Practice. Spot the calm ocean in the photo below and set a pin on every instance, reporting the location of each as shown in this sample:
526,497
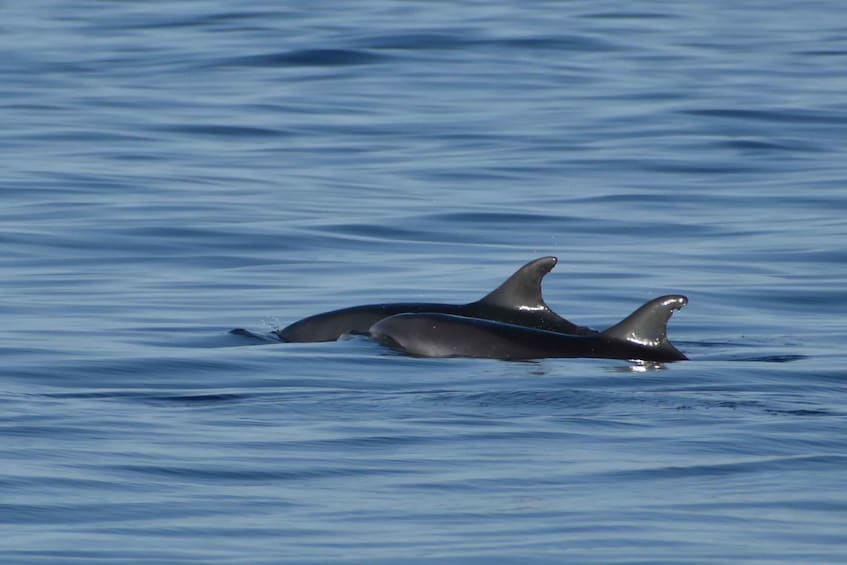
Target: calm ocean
174,170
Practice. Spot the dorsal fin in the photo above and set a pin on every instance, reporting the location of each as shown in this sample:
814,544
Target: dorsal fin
648,326
522,291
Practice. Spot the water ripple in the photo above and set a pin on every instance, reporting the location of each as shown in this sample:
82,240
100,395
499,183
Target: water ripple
309,58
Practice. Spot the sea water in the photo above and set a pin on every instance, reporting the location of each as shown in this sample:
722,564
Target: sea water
175,170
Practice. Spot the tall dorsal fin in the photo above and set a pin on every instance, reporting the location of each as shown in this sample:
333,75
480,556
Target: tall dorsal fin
648,326
522,291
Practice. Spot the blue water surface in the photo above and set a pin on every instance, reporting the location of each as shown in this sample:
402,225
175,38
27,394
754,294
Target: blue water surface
174,170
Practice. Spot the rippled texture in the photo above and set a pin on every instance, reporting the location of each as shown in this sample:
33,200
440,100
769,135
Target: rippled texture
173,170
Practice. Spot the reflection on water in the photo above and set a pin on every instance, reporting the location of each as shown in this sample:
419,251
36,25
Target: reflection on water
173,171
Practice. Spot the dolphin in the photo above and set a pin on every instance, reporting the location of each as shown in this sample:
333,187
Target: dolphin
640,336
517,301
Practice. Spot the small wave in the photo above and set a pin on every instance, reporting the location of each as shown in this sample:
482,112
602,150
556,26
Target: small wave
772,115
762,146
198,399
622,15
222,130
804,463
224,474
555,43
416,41
787,358
463,40
309,58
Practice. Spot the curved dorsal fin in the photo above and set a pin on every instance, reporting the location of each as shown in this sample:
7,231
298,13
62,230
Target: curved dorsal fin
522,291
648,326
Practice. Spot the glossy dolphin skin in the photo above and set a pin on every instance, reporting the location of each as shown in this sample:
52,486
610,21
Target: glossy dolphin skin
517,301
641,336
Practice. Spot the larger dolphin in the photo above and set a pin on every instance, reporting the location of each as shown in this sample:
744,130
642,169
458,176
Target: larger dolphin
640,336
517,301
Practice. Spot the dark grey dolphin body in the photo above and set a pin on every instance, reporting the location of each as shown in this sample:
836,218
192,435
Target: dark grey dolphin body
517,301
641,336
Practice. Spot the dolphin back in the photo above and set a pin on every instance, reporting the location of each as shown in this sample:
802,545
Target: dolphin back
357,320
517,300
641,336
648,326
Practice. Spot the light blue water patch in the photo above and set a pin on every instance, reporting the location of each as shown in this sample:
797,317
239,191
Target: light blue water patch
172,171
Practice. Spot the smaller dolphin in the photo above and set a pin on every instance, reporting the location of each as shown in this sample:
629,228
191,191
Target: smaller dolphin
641,336
517,301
